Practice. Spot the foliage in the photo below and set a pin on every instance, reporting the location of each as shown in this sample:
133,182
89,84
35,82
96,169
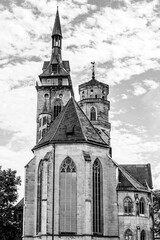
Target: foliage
9,182
156,210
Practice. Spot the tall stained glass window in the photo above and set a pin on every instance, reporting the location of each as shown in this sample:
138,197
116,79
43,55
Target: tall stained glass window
142,206
68,197
97,198
128,205
39,196
143,235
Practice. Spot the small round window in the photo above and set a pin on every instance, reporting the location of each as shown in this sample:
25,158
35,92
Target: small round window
46,95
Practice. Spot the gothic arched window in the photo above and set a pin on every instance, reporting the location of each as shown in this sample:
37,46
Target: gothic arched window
39,196
68,196
128,234
57,108
93,114
143,235
97,197
142,206
128,205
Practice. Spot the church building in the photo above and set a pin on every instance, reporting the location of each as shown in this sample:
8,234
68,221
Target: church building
73,188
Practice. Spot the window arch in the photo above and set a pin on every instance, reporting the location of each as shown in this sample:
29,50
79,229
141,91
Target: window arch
97,198
128,205
93,114
142,206
39,196
57,108
68,196
143,235
128,234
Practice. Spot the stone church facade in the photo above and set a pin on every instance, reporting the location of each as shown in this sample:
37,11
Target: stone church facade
73,188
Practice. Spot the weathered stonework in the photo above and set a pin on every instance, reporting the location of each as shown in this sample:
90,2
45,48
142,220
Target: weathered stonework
73,134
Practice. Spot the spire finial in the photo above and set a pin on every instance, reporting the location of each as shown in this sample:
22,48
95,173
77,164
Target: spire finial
93,72
57,3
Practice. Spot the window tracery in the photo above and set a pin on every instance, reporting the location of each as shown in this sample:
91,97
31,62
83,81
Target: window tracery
68,196
128,235
97,197
128,205
39,196
142,206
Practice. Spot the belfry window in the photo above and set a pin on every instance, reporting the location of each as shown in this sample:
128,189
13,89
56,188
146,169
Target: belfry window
97,198
128,205
128,235
93,114
57,108
68,197
143,235
142,206
54,68
39,197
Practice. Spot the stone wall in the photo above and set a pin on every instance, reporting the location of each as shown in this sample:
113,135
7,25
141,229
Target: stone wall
136,223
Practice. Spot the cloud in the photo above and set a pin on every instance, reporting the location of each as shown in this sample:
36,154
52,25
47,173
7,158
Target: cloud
138,89
151,84
124,96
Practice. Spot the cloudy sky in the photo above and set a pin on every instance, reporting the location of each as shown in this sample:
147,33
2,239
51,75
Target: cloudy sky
121,36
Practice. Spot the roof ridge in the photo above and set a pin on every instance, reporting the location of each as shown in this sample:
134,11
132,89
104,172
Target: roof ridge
91,124
135,180
75,103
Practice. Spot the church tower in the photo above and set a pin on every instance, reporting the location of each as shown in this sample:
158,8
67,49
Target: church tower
94,103
70,184
55,87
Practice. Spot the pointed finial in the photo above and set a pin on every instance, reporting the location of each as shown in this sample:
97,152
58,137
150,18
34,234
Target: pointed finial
57,25
93,73
57,3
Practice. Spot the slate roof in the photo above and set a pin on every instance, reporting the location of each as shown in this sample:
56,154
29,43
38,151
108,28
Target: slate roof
137,176
57,25
65,64
93,82
71,126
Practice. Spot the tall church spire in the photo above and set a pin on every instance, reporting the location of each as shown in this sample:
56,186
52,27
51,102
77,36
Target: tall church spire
55,87
57,33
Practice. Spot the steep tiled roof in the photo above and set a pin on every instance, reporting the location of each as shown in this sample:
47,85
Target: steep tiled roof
57,25
141,172
93,82
71,125
133,177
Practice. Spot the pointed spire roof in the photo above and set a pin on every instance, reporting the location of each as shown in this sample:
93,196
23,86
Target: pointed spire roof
71,126
57,25
45,110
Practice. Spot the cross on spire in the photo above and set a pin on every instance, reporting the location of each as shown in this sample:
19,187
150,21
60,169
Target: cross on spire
93,72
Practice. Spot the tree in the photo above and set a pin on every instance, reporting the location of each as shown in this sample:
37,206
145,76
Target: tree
9,182
156,211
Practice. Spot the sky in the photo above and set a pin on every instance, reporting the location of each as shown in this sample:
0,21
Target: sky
121,36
